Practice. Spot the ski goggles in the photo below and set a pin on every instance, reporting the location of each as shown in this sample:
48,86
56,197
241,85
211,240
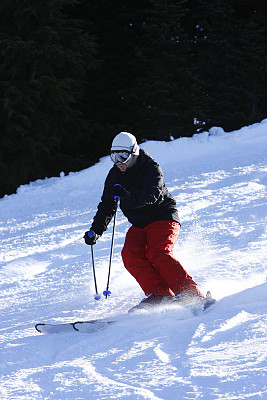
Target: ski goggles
121,156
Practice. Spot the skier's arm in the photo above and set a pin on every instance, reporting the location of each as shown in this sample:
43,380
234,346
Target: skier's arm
105,210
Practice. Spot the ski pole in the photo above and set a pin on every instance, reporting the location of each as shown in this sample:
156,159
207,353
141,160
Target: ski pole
107,292
97,296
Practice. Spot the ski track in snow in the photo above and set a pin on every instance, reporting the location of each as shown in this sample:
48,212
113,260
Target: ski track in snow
219,181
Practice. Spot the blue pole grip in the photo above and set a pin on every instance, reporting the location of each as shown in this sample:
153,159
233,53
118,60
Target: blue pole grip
117,198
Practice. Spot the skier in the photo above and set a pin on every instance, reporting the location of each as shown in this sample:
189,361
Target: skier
147,204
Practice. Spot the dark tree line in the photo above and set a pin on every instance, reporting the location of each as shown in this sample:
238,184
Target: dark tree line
74,73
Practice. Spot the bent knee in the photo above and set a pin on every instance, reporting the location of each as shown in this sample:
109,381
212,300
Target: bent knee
155,254
127,253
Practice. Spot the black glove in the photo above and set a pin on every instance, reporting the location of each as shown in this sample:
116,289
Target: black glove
90,237
120,191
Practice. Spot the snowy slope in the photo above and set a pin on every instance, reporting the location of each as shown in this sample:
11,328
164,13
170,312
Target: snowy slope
219,181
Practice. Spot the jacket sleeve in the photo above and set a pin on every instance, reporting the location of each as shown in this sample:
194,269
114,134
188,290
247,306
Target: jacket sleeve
151,189
105,210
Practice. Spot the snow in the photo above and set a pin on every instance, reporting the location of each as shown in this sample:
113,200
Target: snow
219,181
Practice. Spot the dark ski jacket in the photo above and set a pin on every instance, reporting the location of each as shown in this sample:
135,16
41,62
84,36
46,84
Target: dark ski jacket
148,199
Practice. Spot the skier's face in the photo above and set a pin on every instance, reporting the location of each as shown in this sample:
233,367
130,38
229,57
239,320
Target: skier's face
124,166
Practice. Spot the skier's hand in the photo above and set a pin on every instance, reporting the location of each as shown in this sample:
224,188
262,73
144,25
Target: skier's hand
90,237
120,191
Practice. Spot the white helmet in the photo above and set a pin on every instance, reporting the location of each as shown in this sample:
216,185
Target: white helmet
125,141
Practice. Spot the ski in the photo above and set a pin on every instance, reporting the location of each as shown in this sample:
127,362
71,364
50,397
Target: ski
95,325
78,326
194,303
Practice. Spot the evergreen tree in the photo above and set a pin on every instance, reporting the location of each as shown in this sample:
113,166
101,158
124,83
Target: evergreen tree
74,73
45,59
146,82
230,44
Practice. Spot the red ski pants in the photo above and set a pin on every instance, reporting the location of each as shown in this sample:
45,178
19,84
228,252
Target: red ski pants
148,256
